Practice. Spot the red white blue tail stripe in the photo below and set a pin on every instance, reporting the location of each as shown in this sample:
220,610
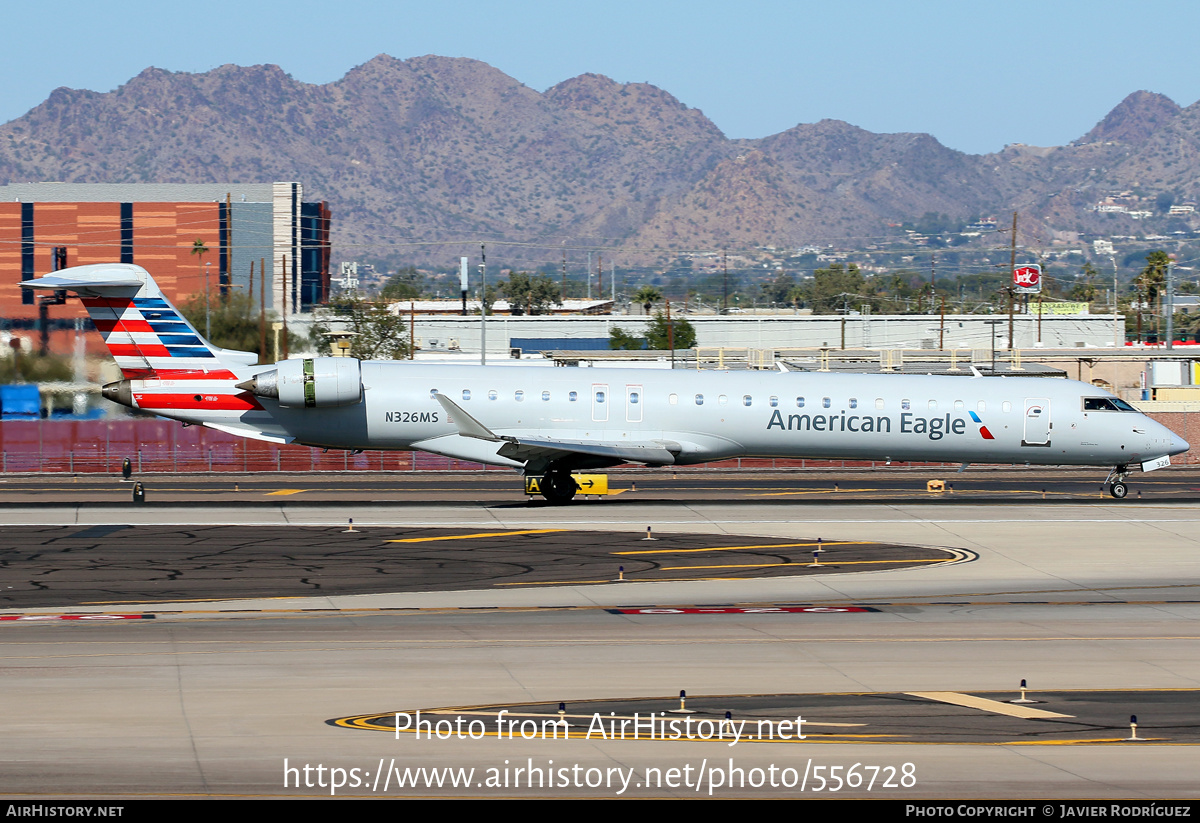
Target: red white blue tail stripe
149,339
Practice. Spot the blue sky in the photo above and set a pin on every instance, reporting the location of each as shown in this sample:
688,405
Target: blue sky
975,75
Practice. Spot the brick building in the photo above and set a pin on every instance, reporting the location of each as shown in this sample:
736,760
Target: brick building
156,227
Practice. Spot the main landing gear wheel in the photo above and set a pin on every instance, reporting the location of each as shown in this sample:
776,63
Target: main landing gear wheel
1118,490
559,488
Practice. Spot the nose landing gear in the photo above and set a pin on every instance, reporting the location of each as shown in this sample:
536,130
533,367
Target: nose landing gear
1116,482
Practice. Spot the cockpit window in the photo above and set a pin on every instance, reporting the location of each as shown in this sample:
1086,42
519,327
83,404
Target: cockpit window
1106,404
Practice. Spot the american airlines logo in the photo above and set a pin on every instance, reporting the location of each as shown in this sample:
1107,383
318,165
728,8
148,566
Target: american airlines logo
983,430
935,428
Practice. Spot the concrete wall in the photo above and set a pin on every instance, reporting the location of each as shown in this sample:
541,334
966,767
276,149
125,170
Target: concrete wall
789,331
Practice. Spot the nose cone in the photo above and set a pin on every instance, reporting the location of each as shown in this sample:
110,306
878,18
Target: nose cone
1178,445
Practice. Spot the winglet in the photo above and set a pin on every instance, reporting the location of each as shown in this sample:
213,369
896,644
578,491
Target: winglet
467,425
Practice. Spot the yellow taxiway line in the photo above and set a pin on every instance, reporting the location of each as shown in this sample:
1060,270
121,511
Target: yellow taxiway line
478,534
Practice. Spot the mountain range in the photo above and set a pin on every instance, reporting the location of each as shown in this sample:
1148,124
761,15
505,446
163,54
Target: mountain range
431,149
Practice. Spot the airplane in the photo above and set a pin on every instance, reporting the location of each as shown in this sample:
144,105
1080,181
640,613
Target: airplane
549,423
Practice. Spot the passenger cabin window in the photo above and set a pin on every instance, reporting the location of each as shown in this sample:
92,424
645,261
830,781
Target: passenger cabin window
854,402
879,403
799,402
723,399
1006,407
826,402
573,396
633,397
673,399
492,394
599,397
906,405
959,405
774,401
519,396
981,405
699,400
433,393
747,400
545,395
466,394
933,405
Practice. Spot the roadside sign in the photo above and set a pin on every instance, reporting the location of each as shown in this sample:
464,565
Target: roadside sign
1027,279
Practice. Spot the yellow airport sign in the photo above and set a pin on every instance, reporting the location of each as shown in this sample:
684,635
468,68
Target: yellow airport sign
588,484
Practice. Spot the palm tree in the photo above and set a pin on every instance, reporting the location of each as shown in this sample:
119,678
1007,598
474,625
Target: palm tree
647,296
1153,281
199,249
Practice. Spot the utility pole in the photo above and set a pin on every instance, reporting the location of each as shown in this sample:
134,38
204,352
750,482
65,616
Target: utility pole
286,353
845,311
725,292
207,308
1170,301
600,276
483,307
1118,335
262,309
463,268
670,333
932,279
942,328
1012,266
1012,299
227,277
1139,314
564,277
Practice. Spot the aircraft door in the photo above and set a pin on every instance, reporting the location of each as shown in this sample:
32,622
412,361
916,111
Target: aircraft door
633,403
600,402
1037,422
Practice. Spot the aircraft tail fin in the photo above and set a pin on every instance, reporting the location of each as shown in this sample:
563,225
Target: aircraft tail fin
147,336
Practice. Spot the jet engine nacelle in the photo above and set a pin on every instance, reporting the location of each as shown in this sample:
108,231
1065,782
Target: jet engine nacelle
315,382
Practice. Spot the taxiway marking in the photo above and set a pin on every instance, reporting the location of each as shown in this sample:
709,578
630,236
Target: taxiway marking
983,704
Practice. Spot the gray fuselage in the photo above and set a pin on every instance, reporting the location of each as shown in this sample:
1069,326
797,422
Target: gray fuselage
708,415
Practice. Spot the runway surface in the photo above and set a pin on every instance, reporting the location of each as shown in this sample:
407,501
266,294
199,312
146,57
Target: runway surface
630,487
1094,604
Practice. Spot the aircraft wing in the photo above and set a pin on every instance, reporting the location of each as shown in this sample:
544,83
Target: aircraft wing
540,451
252,434
526,449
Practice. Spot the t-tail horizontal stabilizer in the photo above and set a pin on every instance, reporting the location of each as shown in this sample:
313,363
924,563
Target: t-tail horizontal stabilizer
90,281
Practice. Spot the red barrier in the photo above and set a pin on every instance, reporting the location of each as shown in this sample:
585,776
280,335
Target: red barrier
166,446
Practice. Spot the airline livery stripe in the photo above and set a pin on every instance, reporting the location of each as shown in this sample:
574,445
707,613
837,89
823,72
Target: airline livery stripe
138,350
222,402
188,351
108,302
194,374
133,324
